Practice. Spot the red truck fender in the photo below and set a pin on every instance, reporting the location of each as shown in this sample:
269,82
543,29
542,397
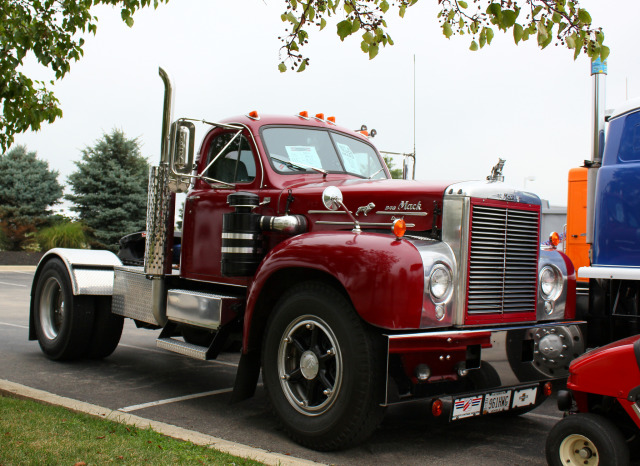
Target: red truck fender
376,271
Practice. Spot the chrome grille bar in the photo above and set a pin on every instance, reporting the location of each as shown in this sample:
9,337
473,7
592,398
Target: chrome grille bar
503,263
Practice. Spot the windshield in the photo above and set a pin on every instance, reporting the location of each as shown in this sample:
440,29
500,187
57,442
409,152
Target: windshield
295,150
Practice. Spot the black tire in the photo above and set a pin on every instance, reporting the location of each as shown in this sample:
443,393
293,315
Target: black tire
586,439
107,329
63,322
332,361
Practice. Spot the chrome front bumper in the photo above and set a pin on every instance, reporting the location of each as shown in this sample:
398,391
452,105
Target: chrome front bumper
489,358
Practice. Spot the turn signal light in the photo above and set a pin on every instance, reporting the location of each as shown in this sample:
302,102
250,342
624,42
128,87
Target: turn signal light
554,239
548,389
436,408
399,228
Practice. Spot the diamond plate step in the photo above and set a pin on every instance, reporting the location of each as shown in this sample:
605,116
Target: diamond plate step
182,347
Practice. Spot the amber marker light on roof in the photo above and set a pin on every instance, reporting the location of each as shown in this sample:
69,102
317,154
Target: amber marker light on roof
399,228
254,115
554,239
304,114
332,119
320,116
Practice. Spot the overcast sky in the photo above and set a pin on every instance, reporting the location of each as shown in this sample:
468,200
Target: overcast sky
529,106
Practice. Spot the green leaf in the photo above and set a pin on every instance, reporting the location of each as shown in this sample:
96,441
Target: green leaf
489,33
368,37
384,6
494,9
556,17
508,19
446,30
323,23
364,46
474,46
518,32
294,4
462,4
282,67
355,27
584,16
604,52
536,11
302,66
402,10
482,38
373,51
344,29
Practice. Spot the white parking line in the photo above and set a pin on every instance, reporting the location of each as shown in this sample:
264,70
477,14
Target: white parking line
13,284
13,325
128,409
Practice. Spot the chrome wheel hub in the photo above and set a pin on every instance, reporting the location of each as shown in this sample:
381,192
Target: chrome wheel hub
52,308
310,365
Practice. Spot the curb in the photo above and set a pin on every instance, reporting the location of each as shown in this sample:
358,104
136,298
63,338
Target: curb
15,390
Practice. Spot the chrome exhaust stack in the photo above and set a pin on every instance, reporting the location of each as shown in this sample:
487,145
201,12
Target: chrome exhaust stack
599,73
160,202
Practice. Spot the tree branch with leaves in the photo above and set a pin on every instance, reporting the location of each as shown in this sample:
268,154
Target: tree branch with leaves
52,31
559,22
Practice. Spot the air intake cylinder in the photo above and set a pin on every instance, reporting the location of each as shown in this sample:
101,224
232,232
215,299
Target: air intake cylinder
241,238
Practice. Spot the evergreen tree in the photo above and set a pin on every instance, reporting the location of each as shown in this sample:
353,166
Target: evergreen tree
27,189
110,189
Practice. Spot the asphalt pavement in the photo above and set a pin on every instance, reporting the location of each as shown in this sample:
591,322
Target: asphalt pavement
141,380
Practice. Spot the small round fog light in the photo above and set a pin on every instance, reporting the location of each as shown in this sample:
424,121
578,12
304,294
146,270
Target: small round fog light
548,307
423,372
440,311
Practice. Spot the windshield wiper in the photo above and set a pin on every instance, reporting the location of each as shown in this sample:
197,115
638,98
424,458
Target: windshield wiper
300,165
375,173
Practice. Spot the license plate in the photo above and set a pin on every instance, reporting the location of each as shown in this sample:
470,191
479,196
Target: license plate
496,402
466,407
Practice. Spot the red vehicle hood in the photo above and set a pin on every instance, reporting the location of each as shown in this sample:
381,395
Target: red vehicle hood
374,203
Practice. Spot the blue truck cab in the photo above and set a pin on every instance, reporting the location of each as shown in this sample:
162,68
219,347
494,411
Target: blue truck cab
614,274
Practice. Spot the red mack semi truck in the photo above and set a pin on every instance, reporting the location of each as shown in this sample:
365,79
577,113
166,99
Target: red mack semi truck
349,290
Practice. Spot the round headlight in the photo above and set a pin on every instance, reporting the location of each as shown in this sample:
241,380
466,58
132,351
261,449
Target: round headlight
440,282
550,283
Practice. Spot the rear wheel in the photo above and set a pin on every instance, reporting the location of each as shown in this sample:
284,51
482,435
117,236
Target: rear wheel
63,322
322,368
586,439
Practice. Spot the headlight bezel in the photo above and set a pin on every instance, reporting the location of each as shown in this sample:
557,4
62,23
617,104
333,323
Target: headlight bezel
442,270
557,279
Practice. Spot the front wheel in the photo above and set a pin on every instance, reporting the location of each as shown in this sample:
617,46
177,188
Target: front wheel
586,439
322,368
63,322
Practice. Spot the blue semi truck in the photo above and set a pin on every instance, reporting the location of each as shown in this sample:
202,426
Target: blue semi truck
613,226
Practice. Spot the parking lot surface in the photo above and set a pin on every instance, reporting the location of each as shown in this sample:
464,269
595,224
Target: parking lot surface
149,382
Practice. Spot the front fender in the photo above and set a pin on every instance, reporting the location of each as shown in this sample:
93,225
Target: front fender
382,276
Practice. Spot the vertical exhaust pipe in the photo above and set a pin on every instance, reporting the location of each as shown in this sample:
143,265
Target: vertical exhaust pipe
599,74
160,201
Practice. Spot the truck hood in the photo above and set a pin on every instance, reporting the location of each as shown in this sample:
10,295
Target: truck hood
374,203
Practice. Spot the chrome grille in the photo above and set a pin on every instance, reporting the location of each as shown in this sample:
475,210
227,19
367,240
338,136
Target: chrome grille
503,264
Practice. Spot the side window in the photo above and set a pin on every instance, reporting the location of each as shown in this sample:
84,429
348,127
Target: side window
236,164
630,142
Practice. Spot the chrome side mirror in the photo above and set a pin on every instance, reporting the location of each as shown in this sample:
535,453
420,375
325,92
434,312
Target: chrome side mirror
332,198
181,154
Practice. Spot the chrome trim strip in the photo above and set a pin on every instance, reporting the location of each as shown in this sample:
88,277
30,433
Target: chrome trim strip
408,214
364,224
250,236
236,250
326,212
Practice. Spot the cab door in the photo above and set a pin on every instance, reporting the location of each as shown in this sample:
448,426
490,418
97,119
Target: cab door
228,164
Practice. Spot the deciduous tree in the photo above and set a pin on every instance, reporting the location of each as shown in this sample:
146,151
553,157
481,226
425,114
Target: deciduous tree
110,189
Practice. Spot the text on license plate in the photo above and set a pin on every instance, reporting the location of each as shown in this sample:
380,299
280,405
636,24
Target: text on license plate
493,402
